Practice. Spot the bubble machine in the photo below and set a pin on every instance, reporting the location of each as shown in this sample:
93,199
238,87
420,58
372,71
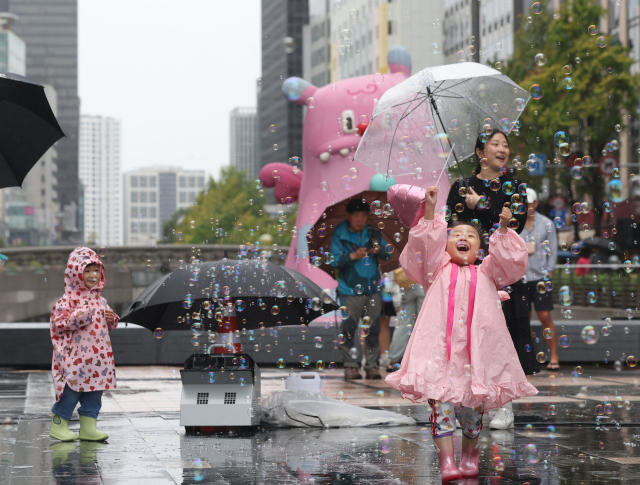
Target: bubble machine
219,390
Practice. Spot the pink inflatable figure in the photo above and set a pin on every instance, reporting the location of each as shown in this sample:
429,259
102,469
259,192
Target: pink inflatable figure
335,117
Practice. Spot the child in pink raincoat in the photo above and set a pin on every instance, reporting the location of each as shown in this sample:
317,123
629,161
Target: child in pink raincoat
460,356
82,363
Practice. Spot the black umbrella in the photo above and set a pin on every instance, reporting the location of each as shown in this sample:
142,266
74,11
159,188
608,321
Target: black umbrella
600,243
28,128
262,292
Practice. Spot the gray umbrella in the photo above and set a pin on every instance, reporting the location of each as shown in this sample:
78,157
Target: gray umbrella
415,123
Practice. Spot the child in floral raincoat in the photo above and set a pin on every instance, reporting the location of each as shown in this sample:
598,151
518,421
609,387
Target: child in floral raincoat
82,364
460,356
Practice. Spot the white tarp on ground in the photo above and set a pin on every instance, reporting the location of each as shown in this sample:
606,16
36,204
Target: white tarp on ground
303,409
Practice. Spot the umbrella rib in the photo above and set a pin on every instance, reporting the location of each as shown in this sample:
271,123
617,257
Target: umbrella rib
453,86
394,134
404,102
416,107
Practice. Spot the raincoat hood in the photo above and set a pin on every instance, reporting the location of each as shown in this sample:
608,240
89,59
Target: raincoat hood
79,259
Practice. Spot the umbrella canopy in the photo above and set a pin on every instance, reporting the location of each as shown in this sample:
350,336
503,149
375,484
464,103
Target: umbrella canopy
601,243
260,292
415,123
382,219
28,128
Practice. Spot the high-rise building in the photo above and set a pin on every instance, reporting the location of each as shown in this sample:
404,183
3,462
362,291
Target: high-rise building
151,196
282,22
316,44
499,21
362,32
99,167
461,29
243,138
50,31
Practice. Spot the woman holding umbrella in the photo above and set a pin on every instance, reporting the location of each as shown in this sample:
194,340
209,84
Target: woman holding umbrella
483,197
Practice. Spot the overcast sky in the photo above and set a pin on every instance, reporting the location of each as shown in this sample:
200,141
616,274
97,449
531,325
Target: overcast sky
171,71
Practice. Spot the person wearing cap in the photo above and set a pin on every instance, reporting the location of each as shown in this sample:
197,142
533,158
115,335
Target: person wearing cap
542,245
356,247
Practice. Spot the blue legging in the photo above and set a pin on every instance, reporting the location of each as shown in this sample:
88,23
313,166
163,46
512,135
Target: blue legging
90,403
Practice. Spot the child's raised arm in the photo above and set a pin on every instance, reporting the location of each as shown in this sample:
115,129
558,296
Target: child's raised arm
425,249
508,259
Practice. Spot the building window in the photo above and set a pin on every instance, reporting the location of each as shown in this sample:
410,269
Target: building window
134,181
143,227
134,197
134,211
152,212
152,197
390,28
143,212
152,227
192,182
143,181
134,226
152,181
183,197
192,197
200,182
183,182
143,196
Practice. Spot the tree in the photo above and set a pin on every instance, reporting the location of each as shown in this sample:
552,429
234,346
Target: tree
231,211
587,87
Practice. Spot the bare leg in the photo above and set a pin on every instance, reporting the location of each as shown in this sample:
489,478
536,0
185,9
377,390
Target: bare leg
552,343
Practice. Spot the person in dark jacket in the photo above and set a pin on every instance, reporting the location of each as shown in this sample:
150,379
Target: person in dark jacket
356,247
485,193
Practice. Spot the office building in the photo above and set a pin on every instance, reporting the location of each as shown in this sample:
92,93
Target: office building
50,31
282,22
362,32
151,196
243,137
461,29
316,44
100,174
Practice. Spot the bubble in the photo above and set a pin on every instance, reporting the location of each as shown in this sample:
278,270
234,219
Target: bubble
592,297
353,173
602,42
589,335
552,409
536,8
592,30
158,333
519,104
239,305
536,91
541,357
494,185
195,342
531,453
632,361
568,83
547,333
358,289
614,191
435,48
275,309
509,188
611,246
564,341
343,313
347,182
281,363
102,252
541,59
311,102
353,13
397,237
378,78
383,444
480,254
376,207
320,365
341,396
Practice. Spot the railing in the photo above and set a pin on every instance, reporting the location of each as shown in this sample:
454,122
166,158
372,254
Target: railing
613,286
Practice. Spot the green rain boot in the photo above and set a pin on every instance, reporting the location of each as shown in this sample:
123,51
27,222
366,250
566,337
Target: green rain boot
88,430
60,429
60,453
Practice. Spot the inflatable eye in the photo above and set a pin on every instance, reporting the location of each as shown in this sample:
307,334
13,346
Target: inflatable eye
348,121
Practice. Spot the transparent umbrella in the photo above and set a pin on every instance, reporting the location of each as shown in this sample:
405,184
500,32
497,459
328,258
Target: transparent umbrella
416,123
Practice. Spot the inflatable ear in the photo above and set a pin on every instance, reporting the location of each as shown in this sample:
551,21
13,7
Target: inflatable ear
298,90
399,60
285,180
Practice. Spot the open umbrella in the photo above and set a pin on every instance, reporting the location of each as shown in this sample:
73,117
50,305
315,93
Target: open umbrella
28,128
384,221
261,292
416,123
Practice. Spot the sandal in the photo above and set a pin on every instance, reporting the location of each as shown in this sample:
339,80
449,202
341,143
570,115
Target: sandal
553,366
390,368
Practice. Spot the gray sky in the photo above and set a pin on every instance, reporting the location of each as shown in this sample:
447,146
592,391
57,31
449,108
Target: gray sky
171,71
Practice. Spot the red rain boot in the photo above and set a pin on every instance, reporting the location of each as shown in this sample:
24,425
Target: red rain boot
469,458
448,469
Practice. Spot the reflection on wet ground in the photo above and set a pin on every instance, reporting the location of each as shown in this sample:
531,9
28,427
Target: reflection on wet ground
570,443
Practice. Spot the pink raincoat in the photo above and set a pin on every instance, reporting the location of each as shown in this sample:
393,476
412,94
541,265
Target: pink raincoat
461,305
82,354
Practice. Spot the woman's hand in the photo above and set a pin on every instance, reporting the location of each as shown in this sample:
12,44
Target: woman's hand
505,217
431,196
472,199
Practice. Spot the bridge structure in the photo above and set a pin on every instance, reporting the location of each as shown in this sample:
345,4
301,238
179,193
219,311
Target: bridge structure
33,277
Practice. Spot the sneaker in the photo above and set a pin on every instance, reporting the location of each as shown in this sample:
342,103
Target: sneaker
373,374
502,420
351,373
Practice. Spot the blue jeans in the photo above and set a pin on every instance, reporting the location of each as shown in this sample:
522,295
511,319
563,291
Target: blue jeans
90,403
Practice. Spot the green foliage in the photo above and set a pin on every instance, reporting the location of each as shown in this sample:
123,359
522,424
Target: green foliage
234,205
604,95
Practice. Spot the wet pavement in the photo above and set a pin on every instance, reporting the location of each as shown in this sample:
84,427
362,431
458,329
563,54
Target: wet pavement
579,429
